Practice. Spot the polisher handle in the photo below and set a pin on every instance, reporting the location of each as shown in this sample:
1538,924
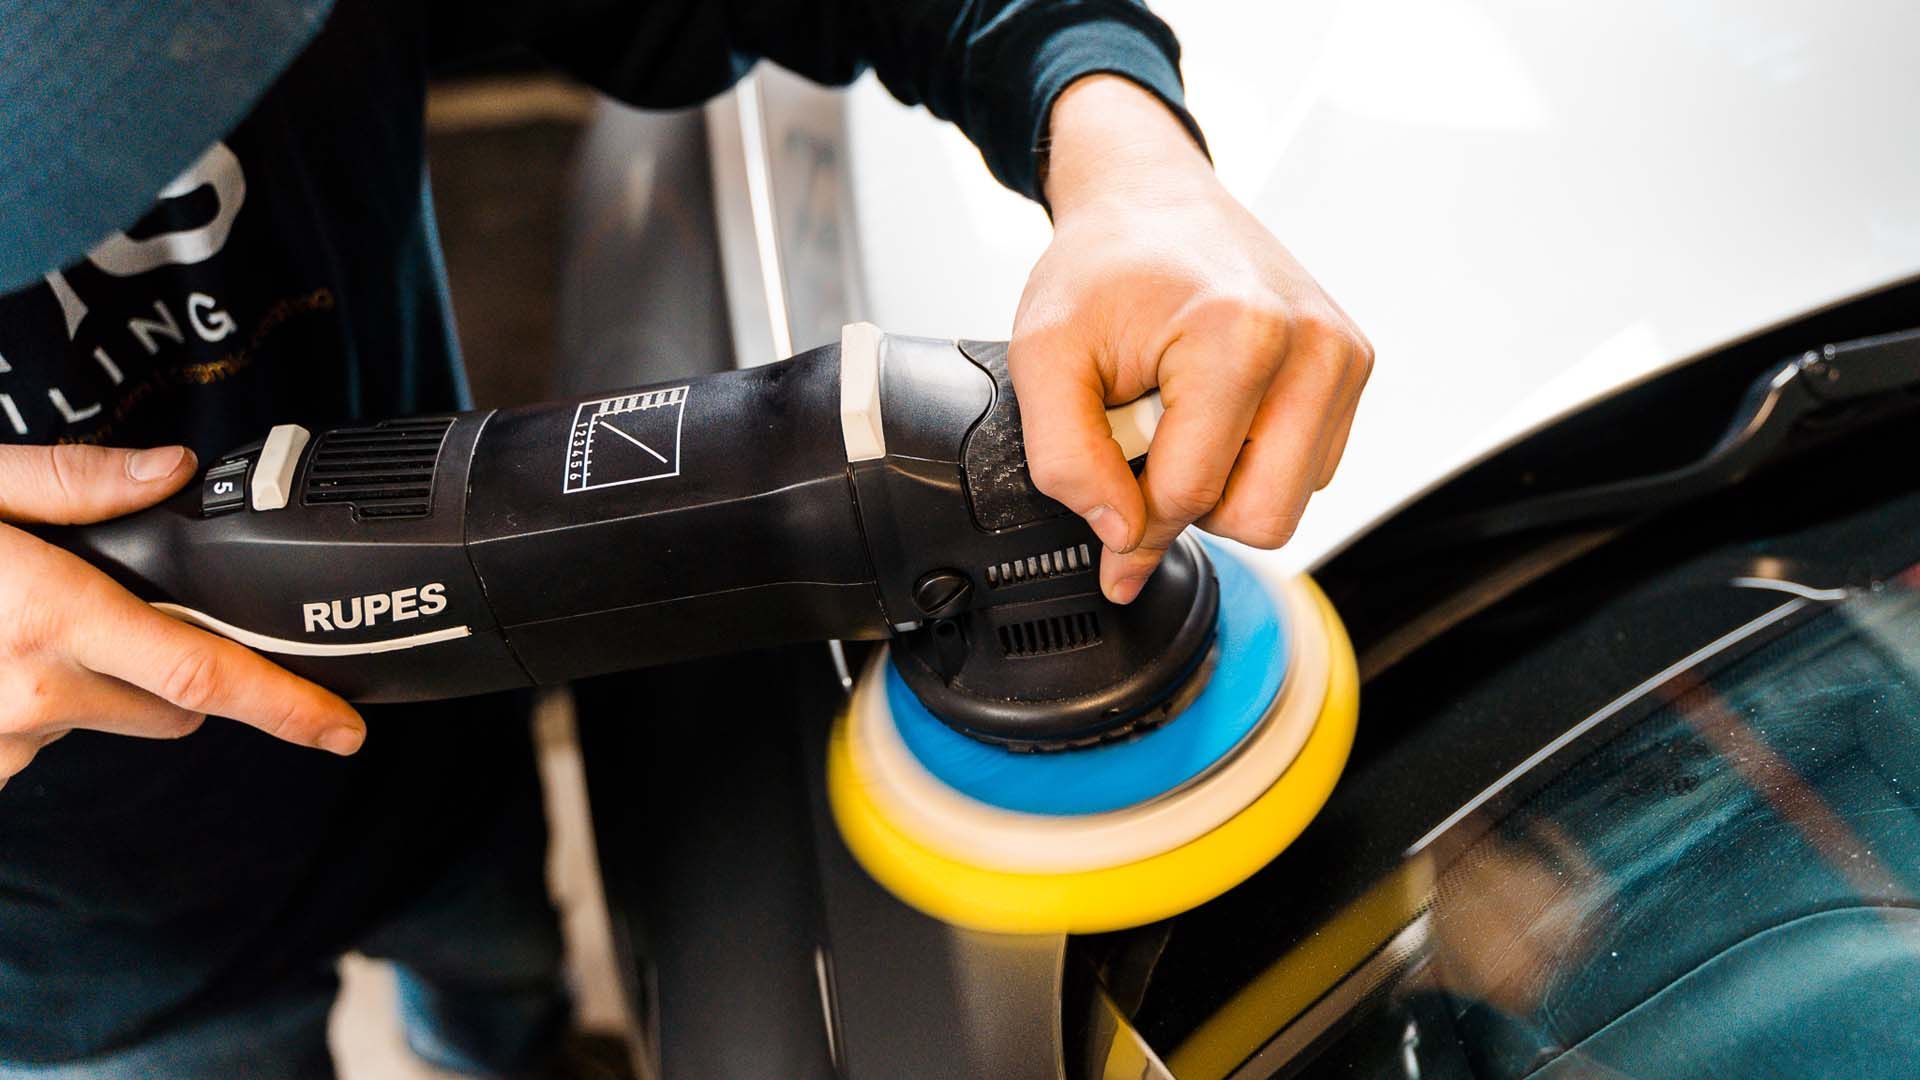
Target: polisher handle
439,556
445,555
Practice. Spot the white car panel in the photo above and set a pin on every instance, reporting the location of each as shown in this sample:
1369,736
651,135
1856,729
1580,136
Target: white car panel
1524,203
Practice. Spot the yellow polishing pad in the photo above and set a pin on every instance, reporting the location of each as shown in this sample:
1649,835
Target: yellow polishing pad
1115,897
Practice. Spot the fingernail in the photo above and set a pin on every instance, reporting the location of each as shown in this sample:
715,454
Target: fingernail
158,463
1127,588
1109,526
342,740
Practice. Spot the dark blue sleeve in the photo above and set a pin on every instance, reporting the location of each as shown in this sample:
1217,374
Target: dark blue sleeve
993,67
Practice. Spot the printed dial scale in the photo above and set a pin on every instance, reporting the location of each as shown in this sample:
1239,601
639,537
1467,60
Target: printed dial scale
626,439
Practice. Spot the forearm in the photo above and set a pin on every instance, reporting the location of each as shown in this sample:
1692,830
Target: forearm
993,67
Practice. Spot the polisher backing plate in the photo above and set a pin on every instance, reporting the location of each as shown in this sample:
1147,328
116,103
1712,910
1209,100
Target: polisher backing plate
1115,897
1251,646
956,826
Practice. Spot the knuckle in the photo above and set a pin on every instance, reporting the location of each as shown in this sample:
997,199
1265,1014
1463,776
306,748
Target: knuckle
21,639
1058,472
41,706
15,755
183,725
1260,527
14,468
1049,472
1267,315
1021,346
1269,532
32,704
284,722
1317,324
1260,322
1322,330
1245,376
1045,322
1363,356
1193,499
64,471
1039,329
193,682
35,627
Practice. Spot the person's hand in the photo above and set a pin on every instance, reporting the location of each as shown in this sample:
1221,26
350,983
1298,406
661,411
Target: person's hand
78,651
1156,277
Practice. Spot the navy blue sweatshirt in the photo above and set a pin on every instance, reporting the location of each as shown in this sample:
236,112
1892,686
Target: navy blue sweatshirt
293,275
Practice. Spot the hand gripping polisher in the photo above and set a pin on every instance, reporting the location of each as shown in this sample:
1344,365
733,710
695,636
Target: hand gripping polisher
1024,756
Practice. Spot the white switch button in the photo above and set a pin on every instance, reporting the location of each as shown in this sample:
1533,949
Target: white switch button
860,392
1134,423
273,471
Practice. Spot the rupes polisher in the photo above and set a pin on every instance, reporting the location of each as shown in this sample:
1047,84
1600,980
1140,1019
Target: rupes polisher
1025,756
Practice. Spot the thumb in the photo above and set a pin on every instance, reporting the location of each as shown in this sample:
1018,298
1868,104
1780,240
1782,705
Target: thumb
73,484
1071,452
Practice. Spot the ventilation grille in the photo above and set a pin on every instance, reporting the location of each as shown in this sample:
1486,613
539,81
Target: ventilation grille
1052,564
383,471
1053,634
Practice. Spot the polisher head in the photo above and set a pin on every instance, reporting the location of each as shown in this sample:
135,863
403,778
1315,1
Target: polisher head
1067,671
1108,832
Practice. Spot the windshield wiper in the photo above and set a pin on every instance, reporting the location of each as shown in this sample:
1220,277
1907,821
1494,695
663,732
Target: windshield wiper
1774,407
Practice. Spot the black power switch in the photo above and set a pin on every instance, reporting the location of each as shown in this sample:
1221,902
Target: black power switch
224,488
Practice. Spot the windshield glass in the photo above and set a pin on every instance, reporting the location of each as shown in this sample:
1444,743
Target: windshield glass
1717,876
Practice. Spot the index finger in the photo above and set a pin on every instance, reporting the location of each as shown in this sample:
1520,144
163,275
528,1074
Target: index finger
206,673
1071,453
1208,414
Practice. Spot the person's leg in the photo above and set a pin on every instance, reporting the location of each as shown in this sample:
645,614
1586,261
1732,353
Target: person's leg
478,957
281,1036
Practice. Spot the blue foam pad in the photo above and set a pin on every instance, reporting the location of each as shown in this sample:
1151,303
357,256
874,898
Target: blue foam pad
1250,665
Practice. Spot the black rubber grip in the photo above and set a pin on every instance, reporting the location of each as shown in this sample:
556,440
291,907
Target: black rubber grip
1000,490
